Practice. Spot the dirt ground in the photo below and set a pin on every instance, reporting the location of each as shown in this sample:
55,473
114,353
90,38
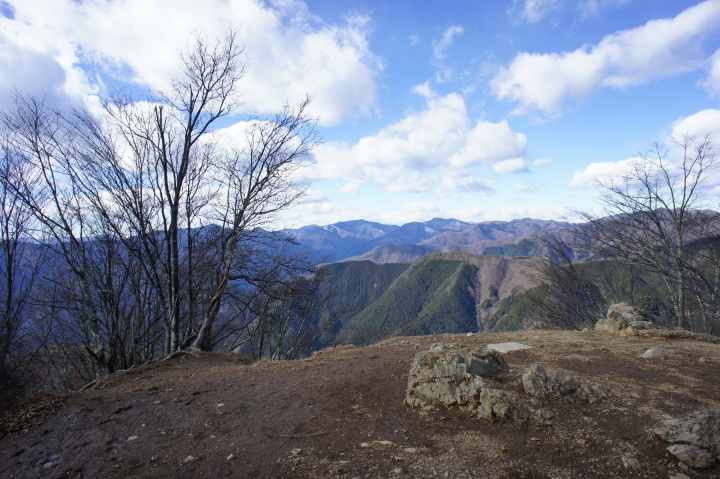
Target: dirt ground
341,414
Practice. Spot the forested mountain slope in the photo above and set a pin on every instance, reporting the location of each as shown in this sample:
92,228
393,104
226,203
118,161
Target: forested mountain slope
439,293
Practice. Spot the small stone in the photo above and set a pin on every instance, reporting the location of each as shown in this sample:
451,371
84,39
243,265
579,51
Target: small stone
469,335
220,405
544,416
53,461
190,459
385,442
230,457
654,353
296,451
132,438
364,444
631,463
410,450
397,470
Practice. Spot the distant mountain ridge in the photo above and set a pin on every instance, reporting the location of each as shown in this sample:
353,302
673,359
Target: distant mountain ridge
366,240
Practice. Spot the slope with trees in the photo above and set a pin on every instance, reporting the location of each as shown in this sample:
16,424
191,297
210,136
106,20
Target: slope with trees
152,221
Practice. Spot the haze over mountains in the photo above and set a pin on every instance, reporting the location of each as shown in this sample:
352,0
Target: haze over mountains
366,240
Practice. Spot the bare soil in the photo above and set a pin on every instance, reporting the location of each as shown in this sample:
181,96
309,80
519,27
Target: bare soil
341,414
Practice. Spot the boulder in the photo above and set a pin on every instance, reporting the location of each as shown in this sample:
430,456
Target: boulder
450,374
626,320
701,430
563,382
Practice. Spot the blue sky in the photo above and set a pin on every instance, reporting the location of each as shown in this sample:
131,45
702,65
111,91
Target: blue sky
479,110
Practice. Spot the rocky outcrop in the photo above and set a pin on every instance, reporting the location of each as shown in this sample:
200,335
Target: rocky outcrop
695,439
626,320
477,380
450,374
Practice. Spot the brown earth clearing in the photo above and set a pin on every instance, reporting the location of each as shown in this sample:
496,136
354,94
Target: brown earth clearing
341,414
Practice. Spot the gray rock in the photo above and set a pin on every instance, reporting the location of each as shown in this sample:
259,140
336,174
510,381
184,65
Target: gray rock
545,416
534,381
594,392
622,316
480,367
631,463
654,353
702,429
563,382
693,456
537,383
450,374
496,404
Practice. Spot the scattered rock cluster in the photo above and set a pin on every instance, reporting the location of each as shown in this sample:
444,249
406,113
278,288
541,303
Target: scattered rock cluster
454,375
626,320
695,439
538,383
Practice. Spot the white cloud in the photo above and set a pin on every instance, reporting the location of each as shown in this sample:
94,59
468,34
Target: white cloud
712,84
414,211
314,196
489,143
602,172
513,165
592,8
511,212
350,188
542,162
533,11
447,183
660,48
419,151
439,46
704,122
414,40
290,52
525,188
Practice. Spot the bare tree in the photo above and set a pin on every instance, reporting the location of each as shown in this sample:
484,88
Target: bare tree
256,184
155,216
21,261
649,214
285,321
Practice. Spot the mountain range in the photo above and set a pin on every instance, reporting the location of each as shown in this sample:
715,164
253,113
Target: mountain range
366,240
